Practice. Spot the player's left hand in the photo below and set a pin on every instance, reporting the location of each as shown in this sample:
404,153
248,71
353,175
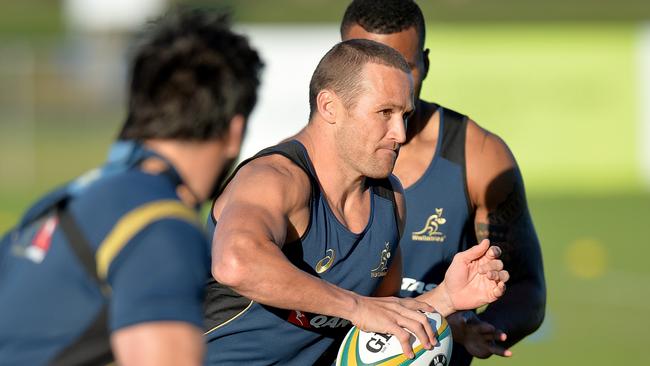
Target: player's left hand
475,277
479,338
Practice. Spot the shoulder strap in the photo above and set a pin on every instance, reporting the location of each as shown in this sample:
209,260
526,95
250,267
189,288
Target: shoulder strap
80,246
453,136
453,143
292,150
384,188
93,346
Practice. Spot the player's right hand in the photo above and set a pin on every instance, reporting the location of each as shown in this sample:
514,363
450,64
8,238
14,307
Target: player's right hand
396,316
480,338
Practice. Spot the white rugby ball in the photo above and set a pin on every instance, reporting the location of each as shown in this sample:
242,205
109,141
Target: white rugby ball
368,348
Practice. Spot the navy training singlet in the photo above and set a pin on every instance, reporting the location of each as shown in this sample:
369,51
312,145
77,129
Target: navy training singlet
440,219
242,332
149,249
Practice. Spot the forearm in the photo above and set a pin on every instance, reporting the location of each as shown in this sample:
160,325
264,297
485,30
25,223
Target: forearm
270,279
519,312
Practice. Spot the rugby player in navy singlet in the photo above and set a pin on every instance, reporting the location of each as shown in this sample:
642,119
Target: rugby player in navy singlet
462,184
307,231
118,257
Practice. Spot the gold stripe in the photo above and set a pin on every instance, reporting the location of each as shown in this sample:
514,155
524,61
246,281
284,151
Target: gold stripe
229,320
133,222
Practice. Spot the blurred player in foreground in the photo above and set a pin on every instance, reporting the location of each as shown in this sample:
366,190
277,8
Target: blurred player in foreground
119,252
461,184
308,230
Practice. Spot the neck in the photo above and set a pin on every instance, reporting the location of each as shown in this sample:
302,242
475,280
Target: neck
421,120
337,179
196,162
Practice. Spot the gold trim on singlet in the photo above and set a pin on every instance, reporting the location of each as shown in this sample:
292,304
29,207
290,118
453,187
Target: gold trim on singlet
231,319
133,222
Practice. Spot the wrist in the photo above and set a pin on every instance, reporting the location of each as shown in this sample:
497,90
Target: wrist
350,304
445,305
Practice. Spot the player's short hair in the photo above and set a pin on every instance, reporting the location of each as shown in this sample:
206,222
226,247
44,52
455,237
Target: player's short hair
190,76
340,69
384,17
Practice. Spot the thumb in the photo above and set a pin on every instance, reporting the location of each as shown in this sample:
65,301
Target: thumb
477,251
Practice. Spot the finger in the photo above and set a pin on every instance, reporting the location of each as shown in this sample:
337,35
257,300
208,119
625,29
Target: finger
494,252
485,328
495,349
500,335
475,252
418,329
403,337
504,276
499,289
491,265
492,275
426,326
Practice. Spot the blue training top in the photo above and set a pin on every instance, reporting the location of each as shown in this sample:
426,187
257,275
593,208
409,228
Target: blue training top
439,216
243,332
439,223
149,252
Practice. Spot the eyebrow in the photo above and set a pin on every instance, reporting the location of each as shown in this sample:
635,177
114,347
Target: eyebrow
408,109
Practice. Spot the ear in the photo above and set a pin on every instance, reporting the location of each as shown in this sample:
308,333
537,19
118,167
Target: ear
235,135
327,102
425,56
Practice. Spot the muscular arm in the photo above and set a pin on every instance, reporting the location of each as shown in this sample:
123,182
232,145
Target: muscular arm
266,206
156,303
159,343
497,191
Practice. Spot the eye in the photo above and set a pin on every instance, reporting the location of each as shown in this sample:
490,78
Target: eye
406,116
386,113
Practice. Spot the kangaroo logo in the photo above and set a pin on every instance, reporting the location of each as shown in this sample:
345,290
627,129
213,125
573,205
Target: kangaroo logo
430,231
381,269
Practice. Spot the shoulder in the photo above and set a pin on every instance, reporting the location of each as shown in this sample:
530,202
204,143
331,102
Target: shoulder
485,145
272,179
125,191
491,166
126,204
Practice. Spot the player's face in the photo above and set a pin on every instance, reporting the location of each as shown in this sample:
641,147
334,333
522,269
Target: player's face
374,126
405,42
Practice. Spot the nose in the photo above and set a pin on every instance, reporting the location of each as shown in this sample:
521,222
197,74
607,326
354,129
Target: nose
397,130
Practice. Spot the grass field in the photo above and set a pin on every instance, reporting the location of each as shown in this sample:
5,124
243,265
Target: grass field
597,297
562,96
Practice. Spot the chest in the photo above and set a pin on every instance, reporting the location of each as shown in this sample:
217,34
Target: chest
357,262
437,207
413,161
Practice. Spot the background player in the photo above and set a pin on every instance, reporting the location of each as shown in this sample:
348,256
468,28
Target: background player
312,226
461,184
121,246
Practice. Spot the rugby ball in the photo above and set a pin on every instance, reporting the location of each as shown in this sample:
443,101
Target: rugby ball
368,348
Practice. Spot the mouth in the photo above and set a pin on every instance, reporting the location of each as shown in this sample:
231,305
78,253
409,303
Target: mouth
391,146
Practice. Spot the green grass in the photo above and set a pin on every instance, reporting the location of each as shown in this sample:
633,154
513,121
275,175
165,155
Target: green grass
564,97
597,321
